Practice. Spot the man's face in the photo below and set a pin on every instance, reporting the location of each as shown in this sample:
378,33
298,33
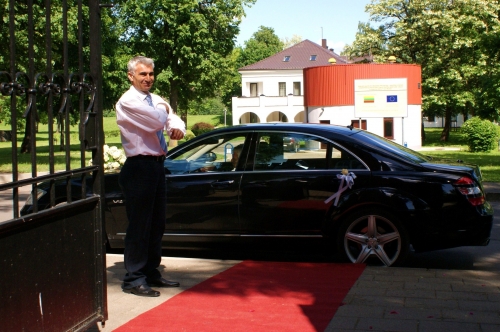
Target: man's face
142,78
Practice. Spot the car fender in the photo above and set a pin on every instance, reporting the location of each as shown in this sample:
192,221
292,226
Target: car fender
403,204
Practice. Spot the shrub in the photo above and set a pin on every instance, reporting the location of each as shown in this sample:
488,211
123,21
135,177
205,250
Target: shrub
480,135
189,135
201,128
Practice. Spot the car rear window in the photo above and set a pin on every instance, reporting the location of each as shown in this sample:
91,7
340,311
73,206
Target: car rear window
384,144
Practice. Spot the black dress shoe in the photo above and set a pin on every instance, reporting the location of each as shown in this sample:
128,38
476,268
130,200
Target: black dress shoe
142,290
162,282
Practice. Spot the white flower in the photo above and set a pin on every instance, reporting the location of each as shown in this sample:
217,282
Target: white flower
113,157
116,154
115,165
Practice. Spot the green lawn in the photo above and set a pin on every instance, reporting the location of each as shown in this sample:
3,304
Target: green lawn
489,162
111,137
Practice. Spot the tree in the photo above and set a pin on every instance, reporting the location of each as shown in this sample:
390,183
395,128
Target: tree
263,44
289,42
456,43
189,41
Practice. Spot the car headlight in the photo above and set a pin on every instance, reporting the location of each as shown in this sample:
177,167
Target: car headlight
39,193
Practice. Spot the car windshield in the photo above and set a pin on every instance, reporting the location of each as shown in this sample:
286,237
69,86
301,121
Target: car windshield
392,147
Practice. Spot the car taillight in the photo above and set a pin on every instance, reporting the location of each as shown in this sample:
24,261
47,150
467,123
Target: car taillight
467,187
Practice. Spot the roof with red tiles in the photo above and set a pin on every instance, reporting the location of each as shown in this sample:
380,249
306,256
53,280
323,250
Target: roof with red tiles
299,56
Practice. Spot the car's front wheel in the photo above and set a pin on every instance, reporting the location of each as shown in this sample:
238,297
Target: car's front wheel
373,237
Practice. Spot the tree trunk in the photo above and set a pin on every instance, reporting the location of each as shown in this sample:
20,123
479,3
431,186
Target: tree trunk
445,134
174,100
422,133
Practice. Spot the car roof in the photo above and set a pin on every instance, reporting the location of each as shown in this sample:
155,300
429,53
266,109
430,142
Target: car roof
285,126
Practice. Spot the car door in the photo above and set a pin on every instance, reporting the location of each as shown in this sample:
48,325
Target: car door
203,187
290,191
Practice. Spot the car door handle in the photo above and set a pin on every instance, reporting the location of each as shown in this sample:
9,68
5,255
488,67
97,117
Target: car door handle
222,184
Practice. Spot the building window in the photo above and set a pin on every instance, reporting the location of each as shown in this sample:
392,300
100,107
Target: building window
286,58
355,124
313,58
253,89
296,88
282,87
389,128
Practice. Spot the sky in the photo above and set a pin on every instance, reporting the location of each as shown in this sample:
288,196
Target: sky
333,20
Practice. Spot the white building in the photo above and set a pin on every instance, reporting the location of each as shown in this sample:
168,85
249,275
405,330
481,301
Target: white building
273,89
310,83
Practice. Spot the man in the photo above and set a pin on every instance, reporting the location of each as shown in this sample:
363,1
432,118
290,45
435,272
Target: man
142,117
236,155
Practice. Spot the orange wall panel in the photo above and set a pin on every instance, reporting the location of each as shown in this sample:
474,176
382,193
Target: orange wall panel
334,85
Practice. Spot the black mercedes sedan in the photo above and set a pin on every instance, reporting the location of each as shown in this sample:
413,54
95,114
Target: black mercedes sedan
365,198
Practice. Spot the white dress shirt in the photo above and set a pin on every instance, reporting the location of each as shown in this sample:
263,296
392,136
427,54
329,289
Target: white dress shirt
139,122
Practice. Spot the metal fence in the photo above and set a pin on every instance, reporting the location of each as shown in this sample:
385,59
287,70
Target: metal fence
52,260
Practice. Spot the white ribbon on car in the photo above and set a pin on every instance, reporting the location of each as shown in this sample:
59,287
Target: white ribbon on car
346,182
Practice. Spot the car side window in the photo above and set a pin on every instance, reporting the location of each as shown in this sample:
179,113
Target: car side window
341,159
219,153
290,151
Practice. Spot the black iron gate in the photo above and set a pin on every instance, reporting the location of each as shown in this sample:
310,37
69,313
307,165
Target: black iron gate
52,260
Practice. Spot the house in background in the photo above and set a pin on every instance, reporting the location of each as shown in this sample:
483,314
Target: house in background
273,88
438,122
310,83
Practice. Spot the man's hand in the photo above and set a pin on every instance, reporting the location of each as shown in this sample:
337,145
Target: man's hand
176,134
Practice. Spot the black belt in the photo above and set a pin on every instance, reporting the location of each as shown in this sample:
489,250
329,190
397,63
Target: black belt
152,158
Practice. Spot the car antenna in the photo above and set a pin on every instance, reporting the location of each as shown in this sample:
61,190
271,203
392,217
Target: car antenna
350,126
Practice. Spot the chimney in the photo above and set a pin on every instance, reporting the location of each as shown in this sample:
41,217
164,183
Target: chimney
331,50
323,43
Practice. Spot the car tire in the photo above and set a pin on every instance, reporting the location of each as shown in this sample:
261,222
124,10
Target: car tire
373,237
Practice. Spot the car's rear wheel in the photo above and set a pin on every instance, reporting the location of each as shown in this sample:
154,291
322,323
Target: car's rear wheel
373,237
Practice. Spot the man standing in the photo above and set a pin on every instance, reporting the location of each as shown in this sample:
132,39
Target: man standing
142,117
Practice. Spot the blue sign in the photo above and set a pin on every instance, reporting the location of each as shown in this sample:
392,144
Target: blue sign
392,99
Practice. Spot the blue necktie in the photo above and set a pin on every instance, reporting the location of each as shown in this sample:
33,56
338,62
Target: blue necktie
159,133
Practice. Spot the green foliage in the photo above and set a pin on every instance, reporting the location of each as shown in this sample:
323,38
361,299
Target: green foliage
189,41
189,135
480,135
201,128
263,44
209,106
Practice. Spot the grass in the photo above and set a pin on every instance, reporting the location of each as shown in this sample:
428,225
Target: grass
111,137
489,162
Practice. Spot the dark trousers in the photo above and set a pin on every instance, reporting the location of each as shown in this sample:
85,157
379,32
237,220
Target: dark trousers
142,181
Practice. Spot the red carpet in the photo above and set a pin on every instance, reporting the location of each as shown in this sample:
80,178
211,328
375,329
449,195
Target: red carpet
256,296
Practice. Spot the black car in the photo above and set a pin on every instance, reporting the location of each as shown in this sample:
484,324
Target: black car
364,197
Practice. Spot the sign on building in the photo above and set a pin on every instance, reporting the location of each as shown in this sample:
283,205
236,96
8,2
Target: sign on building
381,98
